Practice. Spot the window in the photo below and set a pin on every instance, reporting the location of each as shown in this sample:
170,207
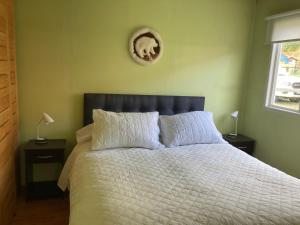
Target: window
284,79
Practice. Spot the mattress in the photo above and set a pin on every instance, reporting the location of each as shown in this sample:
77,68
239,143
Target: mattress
194,184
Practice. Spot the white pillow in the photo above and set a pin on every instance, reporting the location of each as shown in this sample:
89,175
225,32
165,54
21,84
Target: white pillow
117,130
84,134
189,128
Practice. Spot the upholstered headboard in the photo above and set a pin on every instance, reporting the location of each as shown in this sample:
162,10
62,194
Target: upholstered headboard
165,105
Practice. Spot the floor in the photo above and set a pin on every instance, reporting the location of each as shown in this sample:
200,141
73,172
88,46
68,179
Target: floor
53,211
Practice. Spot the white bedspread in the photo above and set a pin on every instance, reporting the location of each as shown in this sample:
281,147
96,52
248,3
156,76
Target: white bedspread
196,184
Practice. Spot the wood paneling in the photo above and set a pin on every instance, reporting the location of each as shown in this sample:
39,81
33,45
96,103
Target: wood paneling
8,113
12,77
5,129
5,116
4,99
4,81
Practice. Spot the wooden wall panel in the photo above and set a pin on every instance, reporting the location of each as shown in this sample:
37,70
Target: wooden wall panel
4,99
8,113
5,116
5,129
13,78
4,81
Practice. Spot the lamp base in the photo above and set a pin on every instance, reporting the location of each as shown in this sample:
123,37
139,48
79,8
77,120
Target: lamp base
41,141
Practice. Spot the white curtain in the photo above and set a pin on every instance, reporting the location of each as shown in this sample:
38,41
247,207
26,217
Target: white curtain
284,27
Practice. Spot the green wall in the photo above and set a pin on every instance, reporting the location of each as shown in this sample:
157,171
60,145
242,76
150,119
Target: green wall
277,133
66,48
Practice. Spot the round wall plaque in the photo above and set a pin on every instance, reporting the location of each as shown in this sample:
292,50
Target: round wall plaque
145,46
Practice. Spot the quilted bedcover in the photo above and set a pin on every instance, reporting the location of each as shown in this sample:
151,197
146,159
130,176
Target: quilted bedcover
195,184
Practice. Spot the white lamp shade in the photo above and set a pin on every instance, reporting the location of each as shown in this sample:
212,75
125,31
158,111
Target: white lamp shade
47,119
235,114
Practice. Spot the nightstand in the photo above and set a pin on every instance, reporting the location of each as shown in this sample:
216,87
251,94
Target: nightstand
241,142
51,152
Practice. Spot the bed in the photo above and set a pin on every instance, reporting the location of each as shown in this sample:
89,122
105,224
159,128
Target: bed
191,184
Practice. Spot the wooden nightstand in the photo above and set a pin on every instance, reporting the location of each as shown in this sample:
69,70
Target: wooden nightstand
51,152
241,142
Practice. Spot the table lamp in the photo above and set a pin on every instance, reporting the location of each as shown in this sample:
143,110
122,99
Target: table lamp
46,119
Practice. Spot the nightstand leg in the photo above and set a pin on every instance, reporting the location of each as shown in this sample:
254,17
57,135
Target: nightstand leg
29,178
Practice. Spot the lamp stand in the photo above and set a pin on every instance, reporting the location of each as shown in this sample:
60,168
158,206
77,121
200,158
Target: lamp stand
38,139
235,134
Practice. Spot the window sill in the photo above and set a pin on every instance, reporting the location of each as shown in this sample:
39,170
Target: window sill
282,109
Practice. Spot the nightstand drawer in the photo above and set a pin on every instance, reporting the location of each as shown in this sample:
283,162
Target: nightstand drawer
241,142
45,156
243,148
247,147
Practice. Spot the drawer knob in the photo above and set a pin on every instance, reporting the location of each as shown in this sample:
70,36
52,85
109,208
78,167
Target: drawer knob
45,156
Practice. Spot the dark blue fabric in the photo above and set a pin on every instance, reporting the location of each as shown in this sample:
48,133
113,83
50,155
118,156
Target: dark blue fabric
165,105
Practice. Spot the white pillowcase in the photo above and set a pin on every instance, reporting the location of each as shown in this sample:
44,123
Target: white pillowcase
117,130
84,134
189,128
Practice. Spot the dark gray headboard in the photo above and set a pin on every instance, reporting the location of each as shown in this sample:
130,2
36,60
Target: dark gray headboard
165,105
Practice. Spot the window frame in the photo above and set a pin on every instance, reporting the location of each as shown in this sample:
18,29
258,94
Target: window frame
272,80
